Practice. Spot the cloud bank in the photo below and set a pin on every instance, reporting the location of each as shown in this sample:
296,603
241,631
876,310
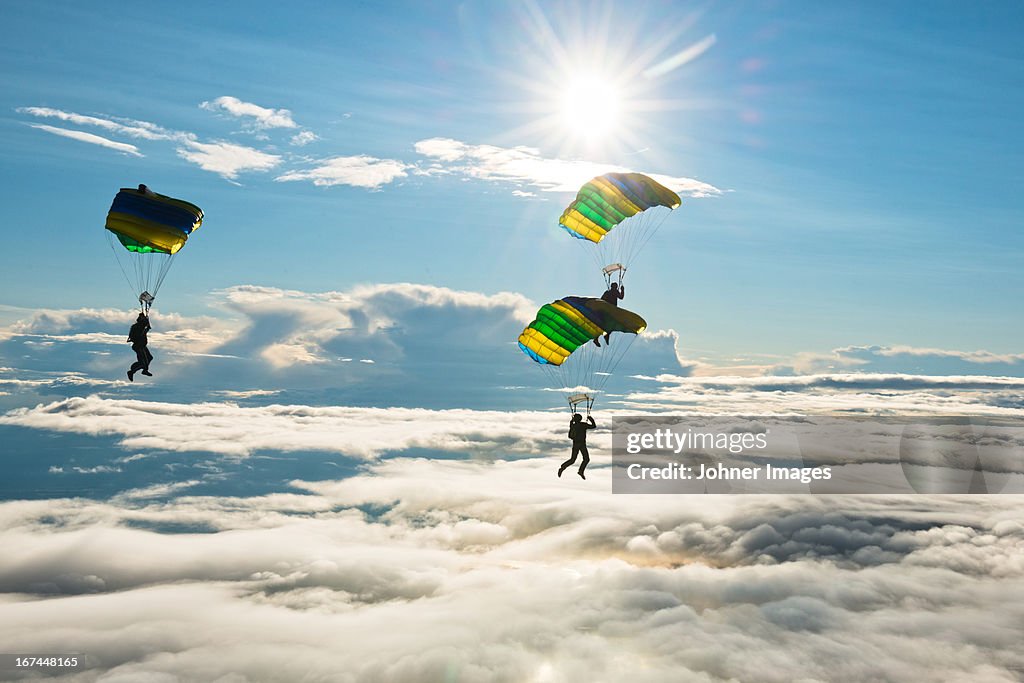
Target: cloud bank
500,572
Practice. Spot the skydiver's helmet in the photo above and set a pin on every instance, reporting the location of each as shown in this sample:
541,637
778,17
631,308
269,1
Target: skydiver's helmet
576,417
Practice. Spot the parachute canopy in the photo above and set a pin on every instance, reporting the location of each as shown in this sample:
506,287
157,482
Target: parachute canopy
563,326
607,200
146,222
145,231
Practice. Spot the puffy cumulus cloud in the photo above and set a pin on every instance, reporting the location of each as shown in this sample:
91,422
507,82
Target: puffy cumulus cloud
227,159
526,165
427,570
356,171
91,138
229,429
259,117
85,337
376,345
429,345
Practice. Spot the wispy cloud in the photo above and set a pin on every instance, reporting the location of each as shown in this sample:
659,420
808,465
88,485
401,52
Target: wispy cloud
136,129
227,159
357,171
682,57
260,117
525,165
853,392
903,358
92,139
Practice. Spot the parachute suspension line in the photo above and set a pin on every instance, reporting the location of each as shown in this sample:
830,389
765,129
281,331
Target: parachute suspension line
649,228
165,267
110,241
618,359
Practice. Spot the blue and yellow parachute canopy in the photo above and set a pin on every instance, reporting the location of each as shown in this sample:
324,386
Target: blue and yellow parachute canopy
145,222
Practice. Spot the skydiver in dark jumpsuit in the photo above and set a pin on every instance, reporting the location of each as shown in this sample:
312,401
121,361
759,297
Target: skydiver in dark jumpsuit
139,341
612,296
578,429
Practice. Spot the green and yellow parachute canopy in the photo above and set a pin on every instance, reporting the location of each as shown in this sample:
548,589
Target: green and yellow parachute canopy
563,326
619,212
607,200
559,340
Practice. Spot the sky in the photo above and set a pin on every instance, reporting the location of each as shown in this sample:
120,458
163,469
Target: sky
341,434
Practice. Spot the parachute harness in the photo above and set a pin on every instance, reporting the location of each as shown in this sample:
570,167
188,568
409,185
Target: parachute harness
580,399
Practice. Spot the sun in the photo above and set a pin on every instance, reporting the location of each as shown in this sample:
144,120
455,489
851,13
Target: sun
590,106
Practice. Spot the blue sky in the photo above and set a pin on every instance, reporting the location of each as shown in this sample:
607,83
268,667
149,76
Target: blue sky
866,157
343,465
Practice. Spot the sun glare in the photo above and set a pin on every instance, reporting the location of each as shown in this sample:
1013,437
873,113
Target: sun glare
590,106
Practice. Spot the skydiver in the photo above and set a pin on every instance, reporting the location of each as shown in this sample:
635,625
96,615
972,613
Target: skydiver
578,433
612,296
137,338
145,190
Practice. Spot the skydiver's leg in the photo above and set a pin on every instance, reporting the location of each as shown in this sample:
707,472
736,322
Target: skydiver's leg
597,342
586,459
606,338
575,452
139,364
148,360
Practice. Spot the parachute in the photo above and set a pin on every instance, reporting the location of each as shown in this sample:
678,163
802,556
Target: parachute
627,203
559,339
145,231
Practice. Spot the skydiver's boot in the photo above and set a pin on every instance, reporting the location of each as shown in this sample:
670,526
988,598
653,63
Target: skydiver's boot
582,476
147,373
560,470
607,339
597,342
131,376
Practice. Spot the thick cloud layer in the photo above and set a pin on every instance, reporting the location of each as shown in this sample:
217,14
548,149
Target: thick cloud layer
441,570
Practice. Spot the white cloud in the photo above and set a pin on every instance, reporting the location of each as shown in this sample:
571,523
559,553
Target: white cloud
261,117
136,129
304,138
82,136
858,393
232,430
227,159
537,579
357,171
526,165
682,57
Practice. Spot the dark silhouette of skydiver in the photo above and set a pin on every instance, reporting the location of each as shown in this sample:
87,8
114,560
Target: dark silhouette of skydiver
612,296
137,338
578,433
